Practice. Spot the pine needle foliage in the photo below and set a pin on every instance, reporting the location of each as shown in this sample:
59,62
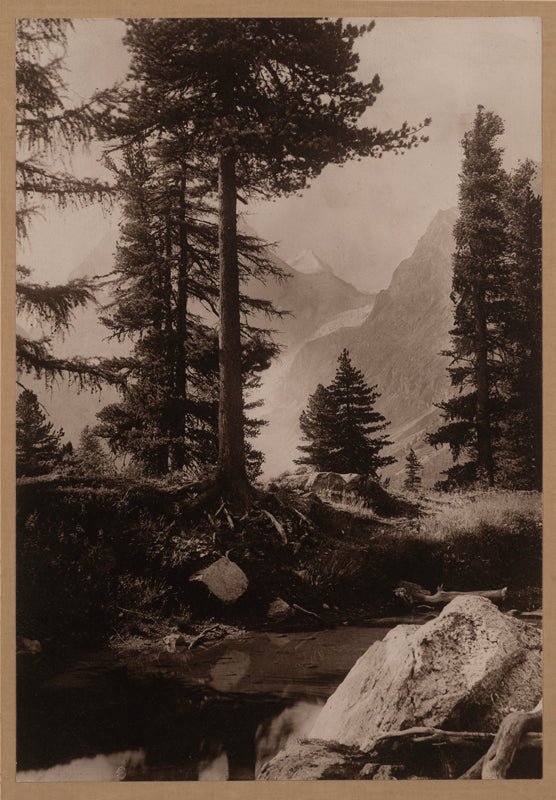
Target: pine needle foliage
48,129
342,427
37,443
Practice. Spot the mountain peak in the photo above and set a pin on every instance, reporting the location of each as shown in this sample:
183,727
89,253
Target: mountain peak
309,263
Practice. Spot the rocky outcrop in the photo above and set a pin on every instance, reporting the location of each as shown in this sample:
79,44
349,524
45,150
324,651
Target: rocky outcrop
224,579
324,482
464,670
360,490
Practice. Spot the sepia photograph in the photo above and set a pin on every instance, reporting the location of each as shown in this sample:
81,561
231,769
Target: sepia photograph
279,398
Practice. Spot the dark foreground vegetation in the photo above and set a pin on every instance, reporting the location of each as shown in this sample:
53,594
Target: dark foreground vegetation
98,559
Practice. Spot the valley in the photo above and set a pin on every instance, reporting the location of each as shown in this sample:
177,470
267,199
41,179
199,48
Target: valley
395,337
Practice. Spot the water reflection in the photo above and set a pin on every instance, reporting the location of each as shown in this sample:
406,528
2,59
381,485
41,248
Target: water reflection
216,770
112,767
276,733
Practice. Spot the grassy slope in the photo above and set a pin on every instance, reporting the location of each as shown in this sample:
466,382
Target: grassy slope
102,557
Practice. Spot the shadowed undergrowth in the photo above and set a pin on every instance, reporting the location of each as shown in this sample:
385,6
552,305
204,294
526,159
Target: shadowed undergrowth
96,558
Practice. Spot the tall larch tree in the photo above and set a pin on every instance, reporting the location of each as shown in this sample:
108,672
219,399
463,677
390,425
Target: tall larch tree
48,127
478,269
164,291
267,104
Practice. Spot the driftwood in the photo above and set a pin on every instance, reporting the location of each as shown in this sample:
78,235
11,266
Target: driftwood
279,527
413,593
514,733
437,736
195,641
304,611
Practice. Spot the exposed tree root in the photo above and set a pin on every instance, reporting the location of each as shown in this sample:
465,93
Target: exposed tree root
512,734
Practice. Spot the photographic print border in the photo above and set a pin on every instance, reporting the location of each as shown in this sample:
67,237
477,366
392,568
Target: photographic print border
10,790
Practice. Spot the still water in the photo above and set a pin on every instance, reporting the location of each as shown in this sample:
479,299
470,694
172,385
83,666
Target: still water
217,712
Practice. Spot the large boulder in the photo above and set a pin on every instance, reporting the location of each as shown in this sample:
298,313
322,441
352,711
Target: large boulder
224,579
359,490
325,482
464,670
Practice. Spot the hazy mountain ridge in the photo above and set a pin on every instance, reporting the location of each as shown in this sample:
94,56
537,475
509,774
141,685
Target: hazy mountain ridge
397,347
394,337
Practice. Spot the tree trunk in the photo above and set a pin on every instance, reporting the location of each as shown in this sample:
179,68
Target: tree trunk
231,450
484,442
178,450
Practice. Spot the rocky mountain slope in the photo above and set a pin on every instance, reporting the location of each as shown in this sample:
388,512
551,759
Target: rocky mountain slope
396,345
395,338
315,299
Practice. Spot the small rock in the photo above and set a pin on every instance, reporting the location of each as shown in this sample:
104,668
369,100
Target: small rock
224,579
170,641
326,606
279,610
29,646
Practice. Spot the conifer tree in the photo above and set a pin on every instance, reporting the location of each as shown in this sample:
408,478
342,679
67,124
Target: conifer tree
166,273
266,104
478,261
89,456
48,127
413,468
520,331
358,421
37,443
318,423
493,426
342,424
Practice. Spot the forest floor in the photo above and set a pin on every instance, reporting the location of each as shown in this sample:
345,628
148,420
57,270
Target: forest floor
114,559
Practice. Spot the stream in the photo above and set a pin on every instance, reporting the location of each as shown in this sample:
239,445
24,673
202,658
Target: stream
217,712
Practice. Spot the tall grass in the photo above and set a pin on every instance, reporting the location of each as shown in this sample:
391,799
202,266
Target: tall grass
469,513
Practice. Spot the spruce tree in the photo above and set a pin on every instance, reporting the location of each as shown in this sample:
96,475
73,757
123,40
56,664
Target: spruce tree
413,468
478,270
266,104
318,423
358,421
341,424
520,327
37,443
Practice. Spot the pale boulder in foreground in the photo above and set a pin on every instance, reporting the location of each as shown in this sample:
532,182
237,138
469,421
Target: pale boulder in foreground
465,670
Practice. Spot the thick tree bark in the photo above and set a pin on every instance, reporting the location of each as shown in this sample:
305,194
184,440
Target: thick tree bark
231,452
485,458
178,450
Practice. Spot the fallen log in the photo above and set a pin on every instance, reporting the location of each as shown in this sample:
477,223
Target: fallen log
414,593
513,734
437,736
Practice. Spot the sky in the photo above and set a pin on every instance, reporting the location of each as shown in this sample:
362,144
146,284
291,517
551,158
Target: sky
365,217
